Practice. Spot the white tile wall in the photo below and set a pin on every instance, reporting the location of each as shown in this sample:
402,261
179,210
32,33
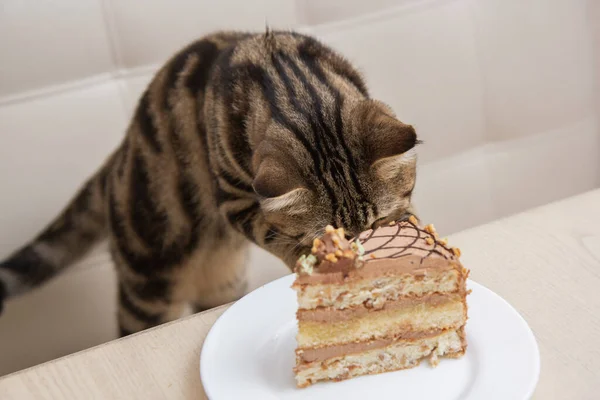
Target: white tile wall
538,169
593,16
316,12
48,146
423,63
455,193
150,33
45,43
504,92
536,63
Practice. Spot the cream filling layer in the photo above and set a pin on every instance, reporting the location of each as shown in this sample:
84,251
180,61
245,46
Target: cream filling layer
324,353
396,356
331,314
381,289
383,323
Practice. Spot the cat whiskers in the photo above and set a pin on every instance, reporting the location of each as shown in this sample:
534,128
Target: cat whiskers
295,246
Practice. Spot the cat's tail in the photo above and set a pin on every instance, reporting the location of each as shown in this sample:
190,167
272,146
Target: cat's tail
80,225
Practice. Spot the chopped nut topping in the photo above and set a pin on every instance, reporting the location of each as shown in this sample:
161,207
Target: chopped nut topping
429,240
392,223
456,251
413,220
339,253
329,229
443,241
316,244
331,258
373,255
429,229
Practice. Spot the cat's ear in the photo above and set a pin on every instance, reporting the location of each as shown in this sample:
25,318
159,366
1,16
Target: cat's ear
293,202
382,135
387,143
273,179
279,188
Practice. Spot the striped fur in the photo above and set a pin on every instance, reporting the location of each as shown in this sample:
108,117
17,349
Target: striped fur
239,138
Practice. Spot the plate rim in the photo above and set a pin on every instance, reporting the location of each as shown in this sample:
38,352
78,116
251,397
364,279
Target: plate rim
210,337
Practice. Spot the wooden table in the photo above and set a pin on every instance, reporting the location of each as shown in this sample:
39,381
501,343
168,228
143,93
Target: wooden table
546,262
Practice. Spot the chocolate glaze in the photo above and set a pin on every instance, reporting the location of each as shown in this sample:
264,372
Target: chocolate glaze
402,247
332,252
401,240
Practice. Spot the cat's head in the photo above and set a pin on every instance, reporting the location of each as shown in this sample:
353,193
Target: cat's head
354,171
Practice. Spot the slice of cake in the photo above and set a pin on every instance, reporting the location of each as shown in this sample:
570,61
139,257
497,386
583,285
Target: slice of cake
382,302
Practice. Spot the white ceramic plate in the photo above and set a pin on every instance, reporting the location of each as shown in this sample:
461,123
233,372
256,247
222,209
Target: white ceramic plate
249,354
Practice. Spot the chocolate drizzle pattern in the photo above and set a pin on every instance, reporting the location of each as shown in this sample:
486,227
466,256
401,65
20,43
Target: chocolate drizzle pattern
401,240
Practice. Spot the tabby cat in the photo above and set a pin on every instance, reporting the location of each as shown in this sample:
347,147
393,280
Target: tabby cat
239,138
